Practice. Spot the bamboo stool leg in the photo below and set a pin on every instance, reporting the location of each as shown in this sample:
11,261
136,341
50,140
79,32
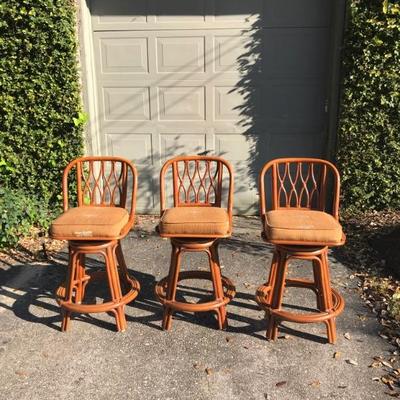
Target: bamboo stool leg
223,288
71,293
272,275
318,285
115,288
81,282
329,301
69,290
122,265
277,295
215,268
173,276
327,294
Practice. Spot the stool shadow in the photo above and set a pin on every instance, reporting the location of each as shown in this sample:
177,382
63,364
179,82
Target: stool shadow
251,326
283,329
27,285
245,245
145,300
39,289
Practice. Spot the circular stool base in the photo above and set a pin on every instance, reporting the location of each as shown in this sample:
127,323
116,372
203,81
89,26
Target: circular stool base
102,307
302,318
229,293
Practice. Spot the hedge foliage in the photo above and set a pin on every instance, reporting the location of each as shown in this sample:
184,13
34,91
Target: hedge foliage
40,108
369,136
18,213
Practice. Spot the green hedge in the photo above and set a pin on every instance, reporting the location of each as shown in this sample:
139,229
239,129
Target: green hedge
40,108
18,213
369,135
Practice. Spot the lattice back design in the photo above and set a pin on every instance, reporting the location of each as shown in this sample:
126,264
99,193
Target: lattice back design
301,185
307,183
197,182
101,182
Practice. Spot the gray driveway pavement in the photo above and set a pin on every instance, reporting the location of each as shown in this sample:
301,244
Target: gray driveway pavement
194,360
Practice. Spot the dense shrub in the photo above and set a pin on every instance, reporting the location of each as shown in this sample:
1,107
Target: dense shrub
40,124
369,136
40,109
18,212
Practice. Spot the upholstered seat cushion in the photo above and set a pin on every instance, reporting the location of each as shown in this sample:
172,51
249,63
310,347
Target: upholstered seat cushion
194,221
89,222
294,225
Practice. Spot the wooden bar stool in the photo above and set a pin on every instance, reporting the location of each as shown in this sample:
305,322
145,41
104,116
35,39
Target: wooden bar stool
196,223
302,221
104,214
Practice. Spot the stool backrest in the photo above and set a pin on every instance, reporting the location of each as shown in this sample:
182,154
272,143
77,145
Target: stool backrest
198,181
101,181
305,183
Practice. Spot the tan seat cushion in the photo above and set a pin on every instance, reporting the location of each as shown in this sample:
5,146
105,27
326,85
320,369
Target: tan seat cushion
89,222
194,221
294,225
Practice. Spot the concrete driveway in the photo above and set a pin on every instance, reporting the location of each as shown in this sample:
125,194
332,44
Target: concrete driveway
194,360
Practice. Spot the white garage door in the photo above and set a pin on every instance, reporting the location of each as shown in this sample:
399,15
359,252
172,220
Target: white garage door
244,79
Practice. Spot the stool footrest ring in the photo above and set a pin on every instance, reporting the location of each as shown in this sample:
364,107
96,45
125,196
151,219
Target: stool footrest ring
229,293
303,318
102,307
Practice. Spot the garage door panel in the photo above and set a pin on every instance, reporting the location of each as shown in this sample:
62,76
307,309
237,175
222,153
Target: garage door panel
238,150
181,103
300,53
131,145
121,55
146,198
234,147
232,103
180,54
294,107
137,147
238,10
292,13
287,145
106,12
121,103
221,127
176,11
230,49
172,145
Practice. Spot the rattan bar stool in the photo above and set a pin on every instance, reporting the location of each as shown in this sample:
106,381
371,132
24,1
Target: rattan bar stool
196,223
302,221
104,214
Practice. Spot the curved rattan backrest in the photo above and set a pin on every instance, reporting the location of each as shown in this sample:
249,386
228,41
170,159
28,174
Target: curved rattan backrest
198,181
307,183
102,181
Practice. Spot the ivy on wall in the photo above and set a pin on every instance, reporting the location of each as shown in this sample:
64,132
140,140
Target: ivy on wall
40,108
369,134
